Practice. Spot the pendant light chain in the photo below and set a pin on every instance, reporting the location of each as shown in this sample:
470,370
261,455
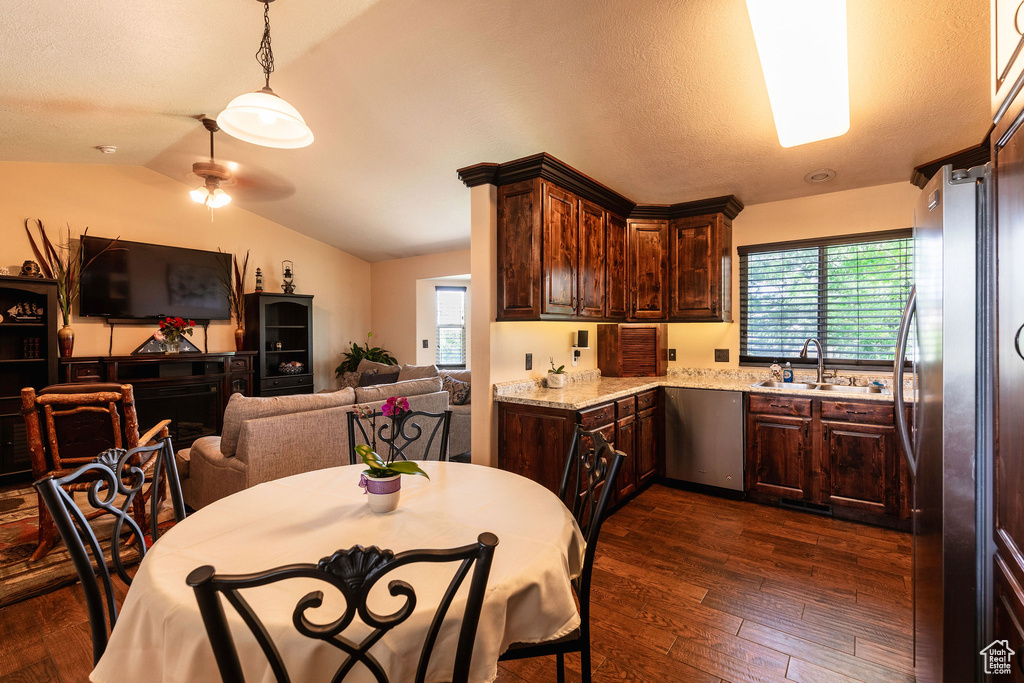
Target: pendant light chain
265,55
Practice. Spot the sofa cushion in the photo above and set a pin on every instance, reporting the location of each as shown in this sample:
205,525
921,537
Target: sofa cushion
346,379
461,375
241,408
372,377
417,372
412,387
366,365
458,392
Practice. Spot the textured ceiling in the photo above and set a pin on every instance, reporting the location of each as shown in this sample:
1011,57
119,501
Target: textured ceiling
662,101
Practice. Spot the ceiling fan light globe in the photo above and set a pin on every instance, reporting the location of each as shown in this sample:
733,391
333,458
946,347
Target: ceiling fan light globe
199,195
218,199
263,118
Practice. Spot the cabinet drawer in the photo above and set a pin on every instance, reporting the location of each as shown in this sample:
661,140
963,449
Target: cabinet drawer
284,382
85,372
238,364
646,400
597,417
850,411
780,405
625,407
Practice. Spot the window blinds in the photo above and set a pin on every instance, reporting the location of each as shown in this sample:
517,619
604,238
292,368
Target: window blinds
451,325
848,291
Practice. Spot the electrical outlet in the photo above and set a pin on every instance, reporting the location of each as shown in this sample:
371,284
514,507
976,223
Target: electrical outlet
721,355
529,361
671,354
426,344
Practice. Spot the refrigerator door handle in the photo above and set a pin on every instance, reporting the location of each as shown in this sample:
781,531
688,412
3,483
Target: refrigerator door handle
902,429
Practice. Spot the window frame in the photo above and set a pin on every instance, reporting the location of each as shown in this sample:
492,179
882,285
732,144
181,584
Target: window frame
821,243
438,327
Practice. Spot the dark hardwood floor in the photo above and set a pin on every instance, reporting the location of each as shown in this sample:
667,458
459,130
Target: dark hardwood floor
687,588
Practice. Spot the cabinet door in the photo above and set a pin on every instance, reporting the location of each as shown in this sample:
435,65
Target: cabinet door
778,455
519,237
616,290
559,251
591,285
695,268
533,443
858,466
647,270
14,452
625,441
608,431
646,446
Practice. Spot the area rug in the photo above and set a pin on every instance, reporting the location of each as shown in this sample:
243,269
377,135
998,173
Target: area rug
19,577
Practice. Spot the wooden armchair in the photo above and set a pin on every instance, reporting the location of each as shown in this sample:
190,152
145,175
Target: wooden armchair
77,422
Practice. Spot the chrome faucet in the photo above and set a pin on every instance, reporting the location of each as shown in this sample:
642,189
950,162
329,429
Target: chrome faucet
821,358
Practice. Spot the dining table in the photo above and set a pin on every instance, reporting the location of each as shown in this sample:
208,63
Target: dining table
159,635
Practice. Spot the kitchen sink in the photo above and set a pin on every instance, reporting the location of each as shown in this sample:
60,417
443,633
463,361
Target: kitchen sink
840,388
872,389
768,384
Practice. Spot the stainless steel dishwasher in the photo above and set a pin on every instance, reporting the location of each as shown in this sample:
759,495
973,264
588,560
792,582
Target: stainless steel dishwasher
704,437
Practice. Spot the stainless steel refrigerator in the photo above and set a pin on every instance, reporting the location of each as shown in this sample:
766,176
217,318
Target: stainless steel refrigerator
941,338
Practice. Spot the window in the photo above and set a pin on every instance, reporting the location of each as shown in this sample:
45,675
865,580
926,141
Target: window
451,326
848,291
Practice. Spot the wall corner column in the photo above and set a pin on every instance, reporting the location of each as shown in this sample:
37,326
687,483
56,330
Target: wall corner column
484,310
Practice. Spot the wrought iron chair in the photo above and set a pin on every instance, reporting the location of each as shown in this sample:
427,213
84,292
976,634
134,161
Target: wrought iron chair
354,573
115,472
403,435
66,425
587,484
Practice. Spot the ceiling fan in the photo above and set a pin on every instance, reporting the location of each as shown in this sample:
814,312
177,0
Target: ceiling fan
213,174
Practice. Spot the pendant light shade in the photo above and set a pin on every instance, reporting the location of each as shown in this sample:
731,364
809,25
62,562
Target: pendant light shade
263,118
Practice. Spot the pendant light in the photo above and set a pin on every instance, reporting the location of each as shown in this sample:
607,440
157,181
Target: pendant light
213,173
262,117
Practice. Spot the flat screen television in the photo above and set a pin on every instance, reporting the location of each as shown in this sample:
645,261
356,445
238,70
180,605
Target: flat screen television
139,280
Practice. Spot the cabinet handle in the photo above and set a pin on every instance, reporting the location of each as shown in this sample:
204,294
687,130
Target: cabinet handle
856,412
825,432
776,405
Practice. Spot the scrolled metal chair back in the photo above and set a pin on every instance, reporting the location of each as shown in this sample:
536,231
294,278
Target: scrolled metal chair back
114,473
404,435
353,573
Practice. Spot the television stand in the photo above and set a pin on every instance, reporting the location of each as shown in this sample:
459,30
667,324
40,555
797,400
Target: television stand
190,389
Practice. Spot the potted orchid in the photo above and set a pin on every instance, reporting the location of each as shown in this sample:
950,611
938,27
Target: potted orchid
556,376
171,331
382,479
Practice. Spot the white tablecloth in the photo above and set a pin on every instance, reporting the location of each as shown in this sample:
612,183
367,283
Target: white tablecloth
160,636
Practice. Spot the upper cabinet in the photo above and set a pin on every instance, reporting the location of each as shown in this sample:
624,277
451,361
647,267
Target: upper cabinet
700,267
566,250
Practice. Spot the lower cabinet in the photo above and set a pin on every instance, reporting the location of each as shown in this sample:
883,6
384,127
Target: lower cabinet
533,441
838,453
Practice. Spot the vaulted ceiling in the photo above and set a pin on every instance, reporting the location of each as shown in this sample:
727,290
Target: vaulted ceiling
663,101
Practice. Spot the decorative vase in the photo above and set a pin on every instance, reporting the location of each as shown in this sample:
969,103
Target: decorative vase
382,494
66,341
556,380
239,338
172,346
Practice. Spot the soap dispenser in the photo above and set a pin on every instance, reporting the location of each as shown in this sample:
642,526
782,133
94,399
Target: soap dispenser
787,372
775,371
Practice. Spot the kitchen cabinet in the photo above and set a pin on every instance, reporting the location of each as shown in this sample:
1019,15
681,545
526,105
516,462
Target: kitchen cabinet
836,453
533,441
590,277
700,272
616,295
560,251
519,239
647,270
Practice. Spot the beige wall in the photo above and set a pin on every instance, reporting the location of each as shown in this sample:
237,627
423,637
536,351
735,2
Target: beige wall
138,204
394,298
869,209
426,318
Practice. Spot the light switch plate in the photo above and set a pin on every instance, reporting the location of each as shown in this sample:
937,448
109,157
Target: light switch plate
426,344
671,354
721,355
529,361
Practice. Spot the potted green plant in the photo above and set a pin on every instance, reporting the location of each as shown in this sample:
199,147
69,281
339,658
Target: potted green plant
556,376
358,353
382,479
65,264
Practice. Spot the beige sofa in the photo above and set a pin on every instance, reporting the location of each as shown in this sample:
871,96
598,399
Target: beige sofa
460,440
268,438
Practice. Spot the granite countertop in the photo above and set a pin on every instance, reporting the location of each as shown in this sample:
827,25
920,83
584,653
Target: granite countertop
589,388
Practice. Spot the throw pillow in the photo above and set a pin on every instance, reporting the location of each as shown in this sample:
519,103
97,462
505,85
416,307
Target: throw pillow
241,408
374,377
349,379
365,365
417,372
412,387
458,392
